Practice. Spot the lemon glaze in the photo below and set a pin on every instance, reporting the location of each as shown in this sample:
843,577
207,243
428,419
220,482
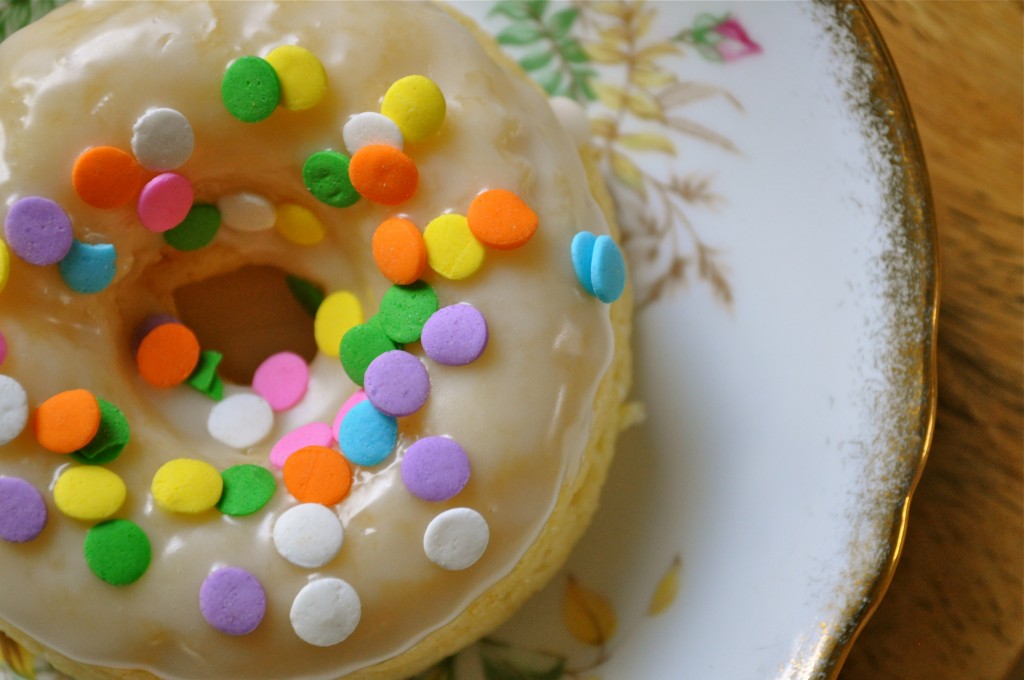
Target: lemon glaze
81,77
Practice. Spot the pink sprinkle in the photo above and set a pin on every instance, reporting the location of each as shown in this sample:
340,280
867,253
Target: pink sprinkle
311,434
282,379
3,348
357,396
165,201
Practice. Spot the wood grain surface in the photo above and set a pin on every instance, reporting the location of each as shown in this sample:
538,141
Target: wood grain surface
955,608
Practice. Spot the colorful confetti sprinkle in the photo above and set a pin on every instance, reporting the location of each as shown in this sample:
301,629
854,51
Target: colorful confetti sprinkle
325,612
367,436
186,486
38,230
308,535
23,513
455,335
117,551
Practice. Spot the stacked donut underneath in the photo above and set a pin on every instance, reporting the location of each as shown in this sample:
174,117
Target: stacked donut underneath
246,509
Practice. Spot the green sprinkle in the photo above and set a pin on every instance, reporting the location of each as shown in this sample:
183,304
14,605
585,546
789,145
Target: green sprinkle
196,230
325,174
360,346
404,310
250,89
110,439
117,551
247,488
204,378
307,293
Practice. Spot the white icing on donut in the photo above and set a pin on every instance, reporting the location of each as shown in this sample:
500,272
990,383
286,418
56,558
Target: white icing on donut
522,411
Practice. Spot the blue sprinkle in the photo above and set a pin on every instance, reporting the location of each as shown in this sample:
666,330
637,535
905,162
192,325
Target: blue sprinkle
582,254
366,435
607,270
88,268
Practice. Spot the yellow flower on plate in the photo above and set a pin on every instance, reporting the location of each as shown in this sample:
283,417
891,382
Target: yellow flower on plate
588,615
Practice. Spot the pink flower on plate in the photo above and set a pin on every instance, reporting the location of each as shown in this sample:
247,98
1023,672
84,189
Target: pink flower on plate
735,43
719,38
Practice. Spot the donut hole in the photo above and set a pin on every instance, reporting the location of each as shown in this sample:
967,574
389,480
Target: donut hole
247,315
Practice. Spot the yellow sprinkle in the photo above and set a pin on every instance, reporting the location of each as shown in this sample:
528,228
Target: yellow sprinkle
299,225
302,76
5,264
416,105
89,493
452,250
187,486
338,313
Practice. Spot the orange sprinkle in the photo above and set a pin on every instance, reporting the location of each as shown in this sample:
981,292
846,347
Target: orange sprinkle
67,421
317,474
106,177
168,355
399,250
501,220
383,174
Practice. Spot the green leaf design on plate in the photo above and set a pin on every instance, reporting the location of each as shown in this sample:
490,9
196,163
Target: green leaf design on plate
560,66
17,14
538,7
574,53
561,21
503,662
513,9
519,34
550,81
537,60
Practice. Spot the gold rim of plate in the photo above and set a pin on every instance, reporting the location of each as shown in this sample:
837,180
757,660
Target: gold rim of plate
884,107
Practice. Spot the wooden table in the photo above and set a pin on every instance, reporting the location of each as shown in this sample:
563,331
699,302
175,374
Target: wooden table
955,609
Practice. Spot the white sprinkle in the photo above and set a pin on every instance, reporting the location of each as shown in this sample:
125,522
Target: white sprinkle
456,538
241,420
308,535
325,612
370,128
162,139
573,118
246,211
13,409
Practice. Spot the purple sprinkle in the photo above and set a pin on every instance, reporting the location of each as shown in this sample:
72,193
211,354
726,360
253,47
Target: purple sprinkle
232,601
455,335
22,510
397,383
435,468
38,230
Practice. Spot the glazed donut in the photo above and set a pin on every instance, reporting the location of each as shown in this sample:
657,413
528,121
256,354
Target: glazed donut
308,362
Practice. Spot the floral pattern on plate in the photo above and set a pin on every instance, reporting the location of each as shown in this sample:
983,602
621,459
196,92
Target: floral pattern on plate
605,55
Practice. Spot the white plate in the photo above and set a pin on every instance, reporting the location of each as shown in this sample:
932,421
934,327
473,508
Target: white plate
775,208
